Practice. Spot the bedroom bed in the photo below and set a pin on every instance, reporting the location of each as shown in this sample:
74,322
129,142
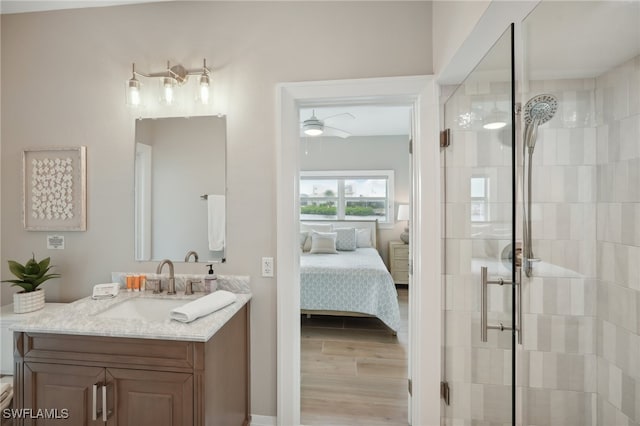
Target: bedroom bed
353,282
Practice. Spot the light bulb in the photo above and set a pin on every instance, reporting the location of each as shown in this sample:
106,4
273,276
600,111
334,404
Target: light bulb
133,92
168,90
135,96
204,89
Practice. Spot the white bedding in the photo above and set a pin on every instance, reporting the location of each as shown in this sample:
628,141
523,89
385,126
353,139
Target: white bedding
352,281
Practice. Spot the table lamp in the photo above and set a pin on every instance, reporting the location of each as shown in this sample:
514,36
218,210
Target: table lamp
403,214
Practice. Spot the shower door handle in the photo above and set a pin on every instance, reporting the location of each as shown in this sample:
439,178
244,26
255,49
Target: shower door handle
484,291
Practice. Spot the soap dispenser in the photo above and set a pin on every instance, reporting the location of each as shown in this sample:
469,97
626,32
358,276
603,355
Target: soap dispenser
210,280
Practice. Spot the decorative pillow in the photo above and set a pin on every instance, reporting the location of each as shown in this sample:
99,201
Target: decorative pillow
303,238
323,242
308,227
363,238
346,239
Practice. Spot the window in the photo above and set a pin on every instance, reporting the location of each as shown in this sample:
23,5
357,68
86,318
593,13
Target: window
480,199
347,195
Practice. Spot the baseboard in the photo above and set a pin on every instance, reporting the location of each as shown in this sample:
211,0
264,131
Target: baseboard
262,420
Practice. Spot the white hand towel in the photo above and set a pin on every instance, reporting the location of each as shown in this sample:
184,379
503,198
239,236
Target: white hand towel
5,386
216,221
203,306
6,392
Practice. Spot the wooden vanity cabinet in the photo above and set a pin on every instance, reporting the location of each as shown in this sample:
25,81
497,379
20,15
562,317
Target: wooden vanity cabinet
141,381
58,387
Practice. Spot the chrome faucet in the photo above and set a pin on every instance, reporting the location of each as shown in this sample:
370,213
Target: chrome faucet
172,278
195,256
188,288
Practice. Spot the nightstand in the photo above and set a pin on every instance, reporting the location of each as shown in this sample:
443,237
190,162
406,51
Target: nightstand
399,261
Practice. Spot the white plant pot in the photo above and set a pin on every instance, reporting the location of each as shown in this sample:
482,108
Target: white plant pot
28,302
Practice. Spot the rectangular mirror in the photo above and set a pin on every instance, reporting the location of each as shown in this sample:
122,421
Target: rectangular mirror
180,188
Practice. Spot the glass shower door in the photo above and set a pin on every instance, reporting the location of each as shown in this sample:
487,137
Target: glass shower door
479,214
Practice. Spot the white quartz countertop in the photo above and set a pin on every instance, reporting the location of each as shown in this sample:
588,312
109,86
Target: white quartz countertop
80,318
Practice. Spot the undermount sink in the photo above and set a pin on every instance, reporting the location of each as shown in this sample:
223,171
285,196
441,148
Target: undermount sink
148,309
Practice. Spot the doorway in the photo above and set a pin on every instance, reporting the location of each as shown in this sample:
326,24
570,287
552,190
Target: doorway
424,324
355,169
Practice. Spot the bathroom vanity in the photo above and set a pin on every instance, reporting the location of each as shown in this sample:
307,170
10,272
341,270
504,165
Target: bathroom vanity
90,370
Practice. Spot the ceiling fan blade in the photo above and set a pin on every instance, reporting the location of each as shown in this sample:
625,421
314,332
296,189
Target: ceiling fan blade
338,115
332,131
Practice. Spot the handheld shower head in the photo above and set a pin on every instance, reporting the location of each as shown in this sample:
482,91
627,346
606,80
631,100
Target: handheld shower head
541,108
538,110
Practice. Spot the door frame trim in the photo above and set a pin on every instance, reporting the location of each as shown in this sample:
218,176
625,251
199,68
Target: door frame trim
425,299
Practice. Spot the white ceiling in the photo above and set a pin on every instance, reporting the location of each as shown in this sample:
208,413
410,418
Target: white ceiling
369,120
23,6
580,39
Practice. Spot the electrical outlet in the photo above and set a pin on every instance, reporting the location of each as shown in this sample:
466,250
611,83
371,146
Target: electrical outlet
267,266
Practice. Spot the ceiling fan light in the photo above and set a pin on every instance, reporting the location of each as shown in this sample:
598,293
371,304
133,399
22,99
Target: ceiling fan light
313,129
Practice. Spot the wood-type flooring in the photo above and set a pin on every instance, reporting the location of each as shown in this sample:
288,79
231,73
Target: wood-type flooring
354,370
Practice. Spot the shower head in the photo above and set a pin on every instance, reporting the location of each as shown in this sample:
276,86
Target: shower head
540,108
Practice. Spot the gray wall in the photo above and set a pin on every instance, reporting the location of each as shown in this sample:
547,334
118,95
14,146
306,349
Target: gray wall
365,153
63,76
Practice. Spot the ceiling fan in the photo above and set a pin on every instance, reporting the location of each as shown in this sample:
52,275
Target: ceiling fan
313,126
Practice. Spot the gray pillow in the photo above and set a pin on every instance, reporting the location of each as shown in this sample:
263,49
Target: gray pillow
346,239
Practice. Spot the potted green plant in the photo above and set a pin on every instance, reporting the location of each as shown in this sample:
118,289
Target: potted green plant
30,276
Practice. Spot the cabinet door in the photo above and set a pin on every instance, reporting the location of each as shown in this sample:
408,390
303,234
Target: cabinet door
151,398
62,394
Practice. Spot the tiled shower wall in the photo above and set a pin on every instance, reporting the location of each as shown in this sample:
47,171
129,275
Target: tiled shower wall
557,363
581,358
580,362
618,244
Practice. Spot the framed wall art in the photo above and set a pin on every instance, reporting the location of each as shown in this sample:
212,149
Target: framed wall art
54,189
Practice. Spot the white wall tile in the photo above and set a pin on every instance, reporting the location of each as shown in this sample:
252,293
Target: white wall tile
563,147
615,386
558,334
590,373
547,143
590,146
603,378
634,86
530,334
550,371
609,342
629,137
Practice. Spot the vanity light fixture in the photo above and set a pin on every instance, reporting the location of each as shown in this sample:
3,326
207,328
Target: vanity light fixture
170,79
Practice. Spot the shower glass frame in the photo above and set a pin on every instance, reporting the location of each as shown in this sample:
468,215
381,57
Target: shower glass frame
481,158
